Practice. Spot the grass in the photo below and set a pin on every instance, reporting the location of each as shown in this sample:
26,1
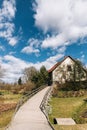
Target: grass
71,127
12,98
7,98
80,114
5,118
65,108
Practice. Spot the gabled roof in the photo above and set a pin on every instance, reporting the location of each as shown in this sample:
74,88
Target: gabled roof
58,63
54,67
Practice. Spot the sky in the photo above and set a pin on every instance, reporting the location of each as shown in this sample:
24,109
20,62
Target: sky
40,32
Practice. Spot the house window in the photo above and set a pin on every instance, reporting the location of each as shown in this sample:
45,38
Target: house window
69,68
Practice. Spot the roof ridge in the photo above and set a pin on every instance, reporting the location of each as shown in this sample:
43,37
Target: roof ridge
58,63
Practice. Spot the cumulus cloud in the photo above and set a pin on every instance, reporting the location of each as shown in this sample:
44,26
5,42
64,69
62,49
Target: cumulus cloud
65,19
32,47
14,66
51,61
7,27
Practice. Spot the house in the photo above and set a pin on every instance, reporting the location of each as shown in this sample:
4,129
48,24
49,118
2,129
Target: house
67,70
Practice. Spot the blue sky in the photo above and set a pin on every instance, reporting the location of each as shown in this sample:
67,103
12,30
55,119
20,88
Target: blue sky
41,32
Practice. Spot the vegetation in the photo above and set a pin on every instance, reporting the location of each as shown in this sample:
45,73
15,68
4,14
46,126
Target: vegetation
75,89
68,98
75,86
8,102
37,77
20,81
1,72
66,107
5,118
80,115
29,73
71,127
78,72
66,94
11,93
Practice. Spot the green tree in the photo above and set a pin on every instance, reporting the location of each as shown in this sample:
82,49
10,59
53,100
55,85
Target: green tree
35,77
44,75
41,77
78,71
20,81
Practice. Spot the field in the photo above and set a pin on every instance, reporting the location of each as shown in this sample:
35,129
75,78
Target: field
66,107
8,102
74,127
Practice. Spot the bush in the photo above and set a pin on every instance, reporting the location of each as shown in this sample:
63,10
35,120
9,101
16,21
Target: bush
54,91
29,86
56,87
78,115
75,86
68,89
15,89
1,93
65,94
2,99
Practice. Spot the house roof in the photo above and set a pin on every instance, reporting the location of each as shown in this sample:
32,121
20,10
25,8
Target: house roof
54,67
58,63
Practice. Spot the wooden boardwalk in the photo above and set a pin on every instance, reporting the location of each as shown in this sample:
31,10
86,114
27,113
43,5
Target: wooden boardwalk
29,116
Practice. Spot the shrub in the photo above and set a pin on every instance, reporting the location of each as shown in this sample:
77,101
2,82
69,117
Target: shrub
67,86
2,99
65,94
1,93
29,86
54,91
78,115
56,87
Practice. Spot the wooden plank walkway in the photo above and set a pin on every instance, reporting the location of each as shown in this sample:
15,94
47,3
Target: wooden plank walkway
29,116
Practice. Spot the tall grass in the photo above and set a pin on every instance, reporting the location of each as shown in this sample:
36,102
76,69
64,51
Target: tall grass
5,118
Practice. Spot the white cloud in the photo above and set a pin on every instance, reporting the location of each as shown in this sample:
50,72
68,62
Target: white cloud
14,66
12,52
13,41
52,60
29,50
8,10
82,58
2,48
7,27
62,49
32,47
66,19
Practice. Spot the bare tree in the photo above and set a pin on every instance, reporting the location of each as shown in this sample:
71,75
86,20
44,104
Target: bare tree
2,71
29,73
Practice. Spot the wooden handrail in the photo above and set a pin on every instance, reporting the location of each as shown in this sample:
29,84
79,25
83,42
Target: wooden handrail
44,104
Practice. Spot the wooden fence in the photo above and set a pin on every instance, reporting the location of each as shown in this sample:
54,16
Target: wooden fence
45,107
